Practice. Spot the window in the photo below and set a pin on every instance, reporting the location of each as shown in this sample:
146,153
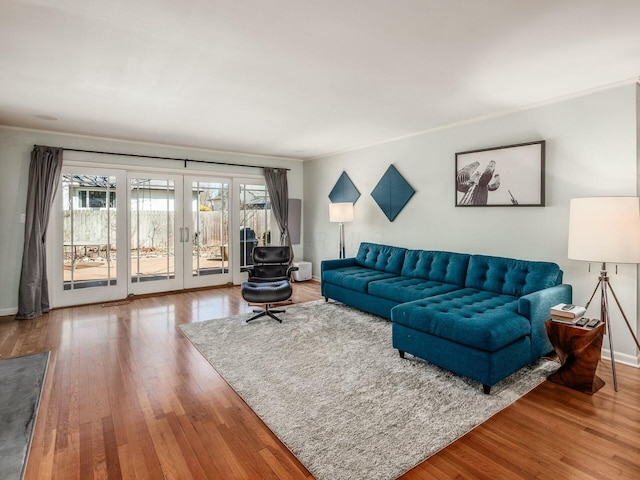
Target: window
95,199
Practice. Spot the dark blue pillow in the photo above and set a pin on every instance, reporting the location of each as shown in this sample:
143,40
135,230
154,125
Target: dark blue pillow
510,276
381,257
445,267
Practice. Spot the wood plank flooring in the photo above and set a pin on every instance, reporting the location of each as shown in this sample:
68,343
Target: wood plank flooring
128,397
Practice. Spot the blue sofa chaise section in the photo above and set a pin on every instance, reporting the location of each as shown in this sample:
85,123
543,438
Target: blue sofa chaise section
476,315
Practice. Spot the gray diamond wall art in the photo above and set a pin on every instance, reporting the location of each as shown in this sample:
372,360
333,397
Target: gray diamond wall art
344,191
392,193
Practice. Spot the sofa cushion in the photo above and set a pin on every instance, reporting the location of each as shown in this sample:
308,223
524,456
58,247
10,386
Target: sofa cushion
471,317
381,257
354,278
509,276
407,289
444,267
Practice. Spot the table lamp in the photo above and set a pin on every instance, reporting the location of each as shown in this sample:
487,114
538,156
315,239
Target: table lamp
341,212
605,230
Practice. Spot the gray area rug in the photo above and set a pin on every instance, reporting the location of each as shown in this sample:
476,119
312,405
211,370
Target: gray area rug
330,386
21,381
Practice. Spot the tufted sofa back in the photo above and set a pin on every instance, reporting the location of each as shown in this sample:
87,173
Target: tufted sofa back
445,267
509,276
381,257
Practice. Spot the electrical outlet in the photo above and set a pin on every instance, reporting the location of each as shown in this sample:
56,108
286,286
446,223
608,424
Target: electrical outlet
23,217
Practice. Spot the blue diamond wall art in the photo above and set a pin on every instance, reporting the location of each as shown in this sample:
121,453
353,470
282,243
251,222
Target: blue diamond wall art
392,193
344,191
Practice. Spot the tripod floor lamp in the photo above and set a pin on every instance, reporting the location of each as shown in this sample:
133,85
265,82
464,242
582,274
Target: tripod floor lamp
341,212
614,238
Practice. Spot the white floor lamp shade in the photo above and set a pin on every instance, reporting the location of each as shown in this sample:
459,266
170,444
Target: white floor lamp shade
605,229
341,212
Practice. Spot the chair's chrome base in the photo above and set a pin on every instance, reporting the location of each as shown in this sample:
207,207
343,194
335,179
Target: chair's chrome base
267,311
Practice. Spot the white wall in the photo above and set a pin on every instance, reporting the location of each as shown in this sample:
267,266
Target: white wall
15,152
591,150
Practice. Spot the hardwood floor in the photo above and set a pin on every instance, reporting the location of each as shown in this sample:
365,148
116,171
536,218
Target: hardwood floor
128,397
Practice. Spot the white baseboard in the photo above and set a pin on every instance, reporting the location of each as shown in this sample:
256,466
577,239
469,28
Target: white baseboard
624,358
8,311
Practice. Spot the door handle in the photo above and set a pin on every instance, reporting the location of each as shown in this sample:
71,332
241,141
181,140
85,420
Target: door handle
184,235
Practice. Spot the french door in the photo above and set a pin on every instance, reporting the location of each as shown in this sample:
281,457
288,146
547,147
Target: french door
86,244
121,233
179,230
206,232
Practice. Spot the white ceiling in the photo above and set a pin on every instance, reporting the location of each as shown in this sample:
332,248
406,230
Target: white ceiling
299,78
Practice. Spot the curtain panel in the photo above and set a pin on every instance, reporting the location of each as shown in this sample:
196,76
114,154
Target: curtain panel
278,188
44,177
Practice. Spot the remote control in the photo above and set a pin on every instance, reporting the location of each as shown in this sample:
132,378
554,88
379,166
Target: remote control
582,322
593,323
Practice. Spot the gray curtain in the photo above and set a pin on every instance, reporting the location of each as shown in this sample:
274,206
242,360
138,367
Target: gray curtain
276,179
44,177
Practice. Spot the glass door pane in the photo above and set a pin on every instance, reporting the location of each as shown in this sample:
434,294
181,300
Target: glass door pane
255,215
207,247
153,206
89,231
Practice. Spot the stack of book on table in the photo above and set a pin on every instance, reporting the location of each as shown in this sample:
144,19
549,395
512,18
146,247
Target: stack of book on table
567,313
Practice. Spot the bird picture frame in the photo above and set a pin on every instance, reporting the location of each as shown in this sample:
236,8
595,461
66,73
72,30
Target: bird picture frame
506,176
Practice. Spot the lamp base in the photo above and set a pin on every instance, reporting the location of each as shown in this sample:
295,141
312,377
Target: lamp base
604,285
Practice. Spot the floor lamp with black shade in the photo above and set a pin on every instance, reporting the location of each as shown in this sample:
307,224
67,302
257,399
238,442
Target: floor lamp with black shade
606,230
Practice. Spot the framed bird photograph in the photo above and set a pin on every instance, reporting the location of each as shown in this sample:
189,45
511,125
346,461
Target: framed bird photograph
508,176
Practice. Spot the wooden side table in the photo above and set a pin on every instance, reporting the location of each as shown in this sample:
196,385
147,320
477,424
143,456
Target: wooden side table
578,349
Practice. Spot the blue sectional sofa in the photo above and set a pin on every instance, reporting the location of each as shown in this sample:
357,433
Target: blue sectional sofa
476,315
